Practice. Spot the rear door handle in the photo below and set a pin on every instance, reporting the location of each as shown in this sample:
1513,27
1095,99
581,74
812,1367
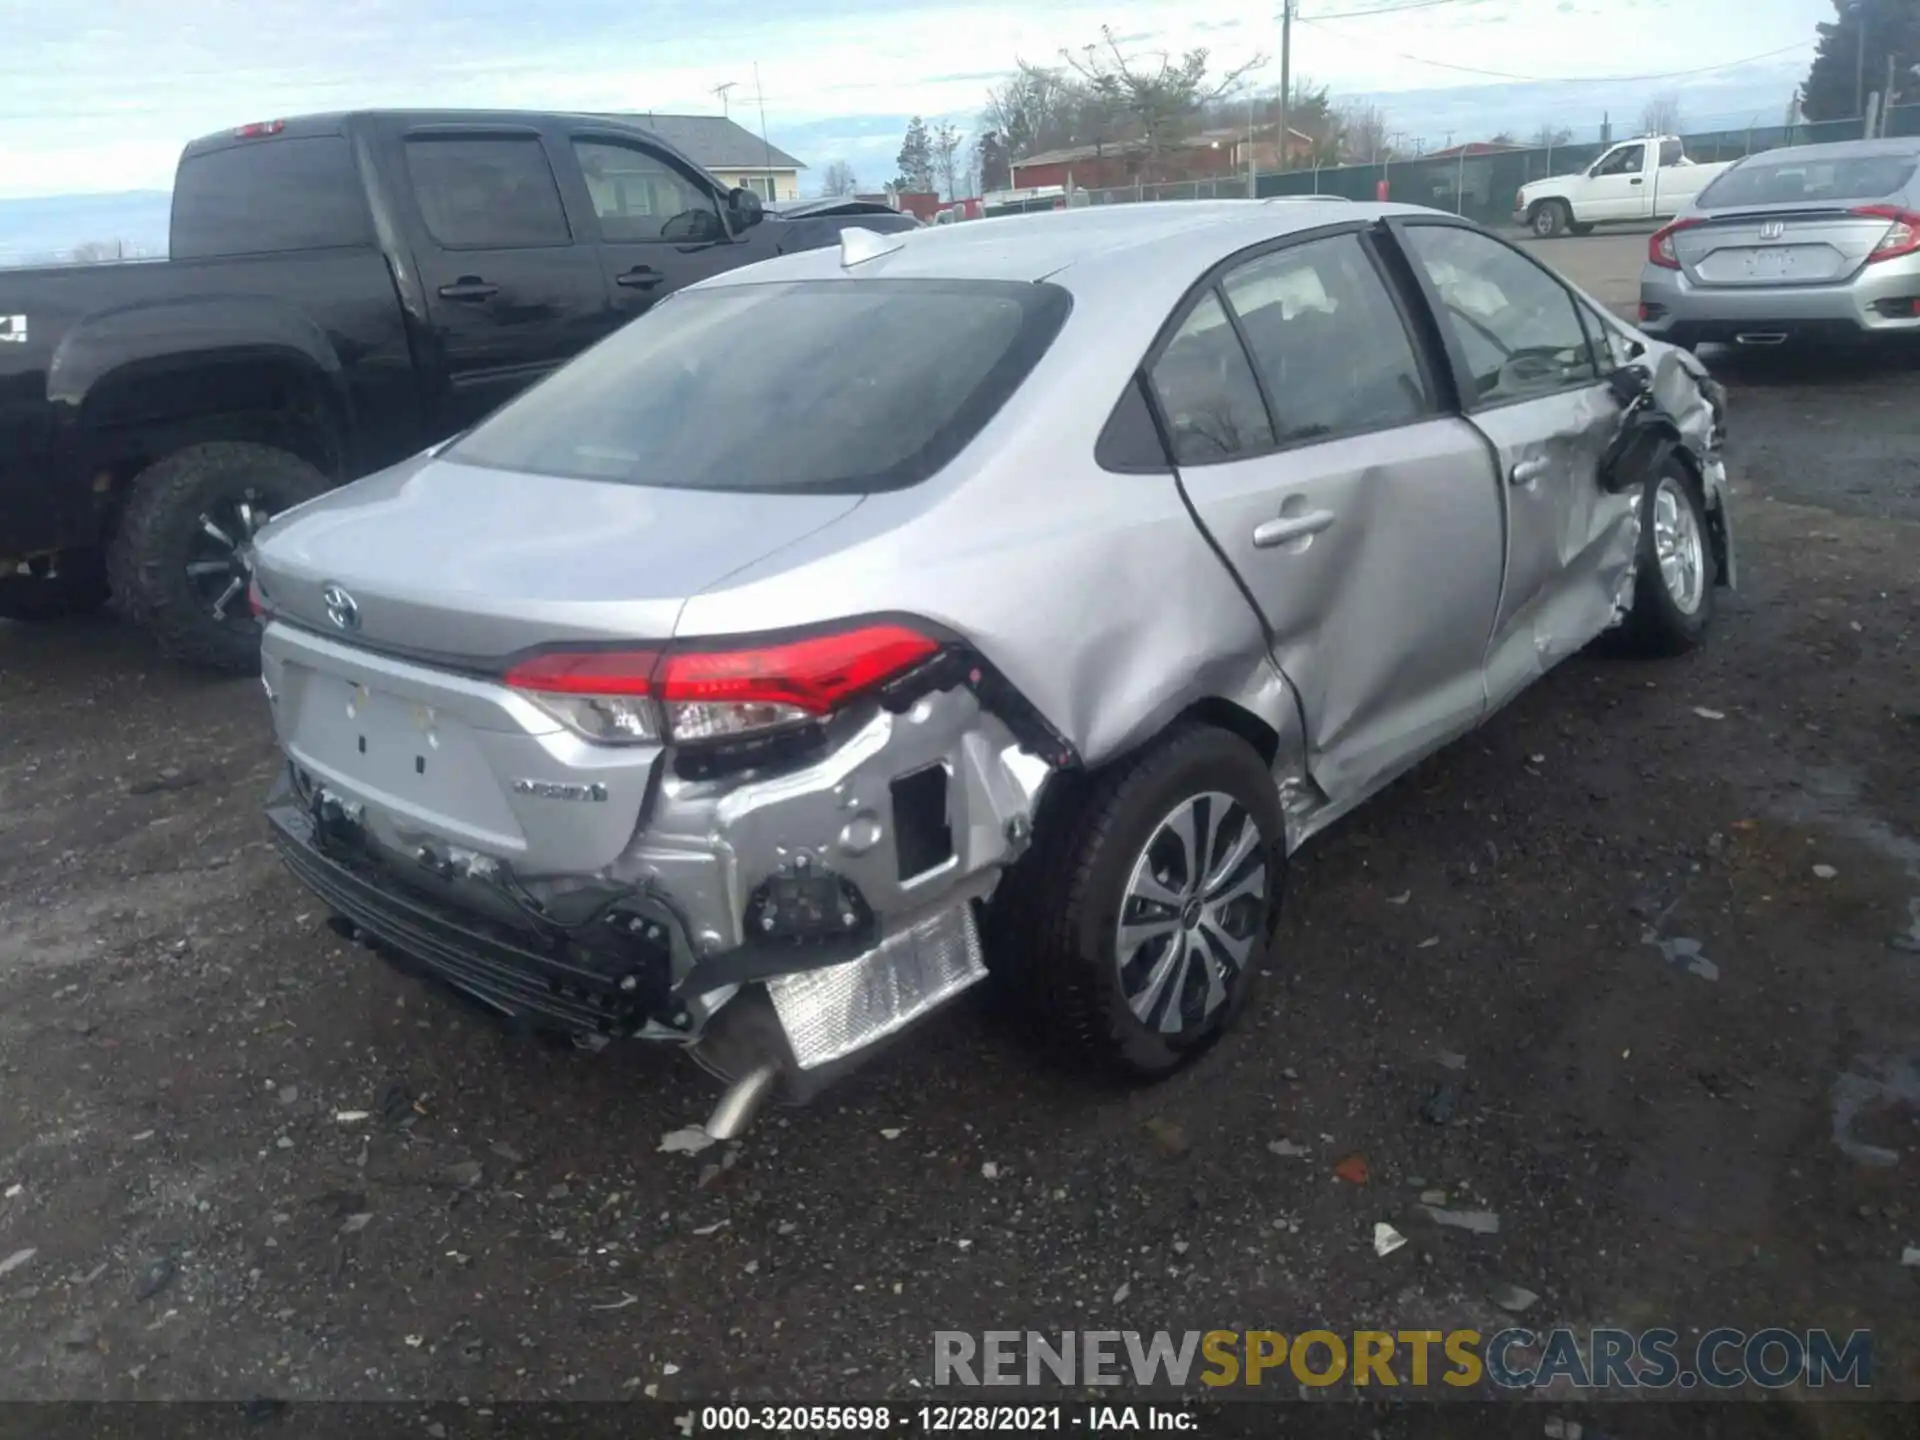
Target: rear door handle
640,277
1528,471
1275,533
468,287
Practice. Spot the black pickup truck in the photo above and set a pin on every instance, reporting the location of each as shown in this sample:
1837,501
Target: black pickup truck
342,291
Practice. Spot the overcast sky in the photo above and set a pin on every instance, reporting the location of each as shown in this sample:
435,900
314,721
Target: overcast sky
98,95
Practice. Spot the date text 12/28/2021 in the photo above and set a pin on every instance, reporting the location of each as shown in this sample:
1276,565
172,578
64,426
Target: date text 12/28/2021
941,1419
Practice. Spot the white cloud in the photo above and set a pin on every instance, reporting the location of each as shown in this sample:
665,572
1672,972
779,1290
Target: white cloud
98,95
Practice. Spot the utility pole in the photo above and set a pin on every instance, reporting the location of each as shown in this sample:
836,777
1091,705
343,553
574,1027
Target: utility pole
721,91
1860,63
767,145
1886,102
1286,80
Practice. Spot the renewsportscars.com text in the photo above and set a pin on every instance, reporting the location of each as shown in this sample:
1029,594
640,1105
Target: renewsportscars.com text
1513,1359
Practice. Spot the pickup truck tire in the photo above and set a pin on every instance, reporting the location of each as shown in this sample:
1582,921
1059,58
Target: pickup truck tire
1550,218
183,553
1054,937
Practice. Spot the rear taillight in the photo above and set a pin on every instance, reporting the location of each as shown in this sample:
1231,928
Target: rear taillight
1903,231
1660,244
257,601
694,694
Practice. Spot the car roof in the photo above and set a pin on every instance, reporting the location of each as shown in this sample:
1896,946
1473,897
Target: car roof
1839,150
1075,247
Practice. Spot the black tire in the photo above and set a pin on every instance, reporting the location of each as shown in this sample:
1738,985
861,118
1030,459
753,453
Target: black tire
1550,218
162,532
1580,227
1053,926
78,587
1659,624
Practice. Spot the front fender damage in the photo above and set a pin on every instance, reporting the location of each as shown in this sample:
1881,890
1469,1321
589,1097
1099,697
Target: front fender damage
1671,405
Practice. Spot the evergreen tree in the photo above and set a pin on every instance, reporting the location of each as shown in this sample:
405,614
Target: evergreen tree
1851,62
916,159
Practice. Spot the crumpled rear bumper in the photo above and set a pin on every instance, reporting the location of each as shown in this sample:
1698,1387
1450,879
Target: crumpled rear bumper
792,918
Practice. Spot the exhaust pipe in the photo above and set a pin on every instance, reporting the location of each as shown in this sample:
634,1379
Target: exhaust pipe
1761,337
742,1101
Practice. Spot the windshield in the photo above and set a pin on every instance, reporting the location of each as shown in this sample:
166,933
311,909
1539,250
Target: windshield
1812,180
826,386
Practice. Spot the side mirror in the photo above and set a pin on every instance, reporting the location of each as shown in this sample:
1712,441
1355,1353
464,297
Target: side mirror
744,209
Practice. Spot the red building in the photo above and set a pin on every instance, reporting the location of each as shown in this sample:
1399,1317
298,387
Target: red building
1211,154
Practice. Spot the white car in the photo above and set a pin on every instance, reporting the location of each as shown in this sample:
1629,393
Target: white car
1648,178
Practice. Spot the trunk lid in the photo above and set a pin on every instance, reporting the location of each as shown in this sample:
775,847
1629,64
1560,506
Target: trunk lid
1777,245
450,569
467,564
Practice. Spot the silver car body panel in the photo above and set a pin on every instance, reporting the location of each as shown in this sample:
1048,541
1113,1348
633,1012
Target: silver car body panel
1799,264
1438,591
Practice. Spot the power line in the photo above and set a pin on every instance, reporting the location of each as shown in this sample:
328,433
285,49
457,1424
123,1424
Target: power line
1385,10
1563,79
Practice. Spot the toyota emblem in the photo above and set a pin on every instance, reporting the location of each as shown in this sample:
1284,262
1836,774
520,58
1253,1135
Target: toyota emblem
342,609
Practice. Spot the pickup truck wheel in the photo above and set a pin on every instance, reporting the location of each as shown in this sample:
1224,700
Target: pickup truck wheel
183,554
1673,591
1131,933
1550,218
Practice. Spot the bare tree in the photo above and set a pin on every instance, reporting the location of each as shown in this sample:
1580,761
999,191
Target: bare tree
1033,109
1363,132
839,179
1662,115
1160,95
1551,137
947,167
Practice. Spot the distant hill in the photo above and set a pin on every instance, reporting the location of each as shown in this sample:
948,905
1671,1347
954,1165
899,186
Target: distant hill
45,230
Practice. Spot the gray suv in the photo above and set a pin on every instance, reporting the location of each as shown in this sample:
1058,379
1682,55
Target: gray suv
1014,595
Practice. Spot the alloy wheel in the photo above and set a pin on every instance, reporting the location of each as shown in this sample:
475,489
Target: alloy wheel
220,557
1194,908
1677,546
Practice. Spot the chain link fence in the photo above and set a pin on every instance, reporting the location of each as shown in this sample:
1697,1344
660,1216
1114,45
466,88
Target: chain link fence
1480,187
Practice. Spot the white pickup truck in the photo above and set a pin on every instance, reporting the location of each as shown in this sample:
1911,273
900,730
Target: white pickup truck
1648,178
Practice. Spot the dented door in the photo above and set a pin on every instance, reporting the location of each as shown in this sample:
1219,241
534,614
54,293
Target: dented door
1531,382
1363,524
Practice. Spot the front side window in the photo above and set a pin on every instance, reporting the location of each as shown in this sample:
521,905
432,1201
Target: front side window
1206,389
487,191
1514,324
1327,340
1630,161
825,386
638,196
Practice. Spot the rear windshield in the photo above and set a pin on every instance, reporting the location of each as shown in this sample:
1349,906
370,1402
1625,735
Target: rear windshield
831,386
1784,182
265,195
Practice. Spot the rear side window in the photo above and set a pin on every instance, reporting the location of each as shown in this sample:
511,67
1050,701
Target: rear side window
826,386
1207,391
1327,340
487,192
260,196
1784,182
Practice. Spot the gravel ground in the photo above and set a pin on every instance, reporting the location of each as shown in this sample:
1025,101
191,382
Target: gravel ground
1655,931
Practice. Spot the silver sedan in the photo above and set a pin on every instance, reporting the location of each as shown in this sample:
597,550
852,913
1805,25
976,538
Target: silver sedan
1817,242
1020,593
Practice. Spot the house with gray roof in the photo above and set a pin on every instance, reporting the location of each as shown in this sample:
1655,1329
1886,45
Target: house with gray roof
734,154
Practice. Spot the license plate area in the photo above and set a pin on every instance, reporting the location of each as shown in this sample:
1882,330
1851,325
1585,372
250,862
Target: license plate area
411,759
1770,264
